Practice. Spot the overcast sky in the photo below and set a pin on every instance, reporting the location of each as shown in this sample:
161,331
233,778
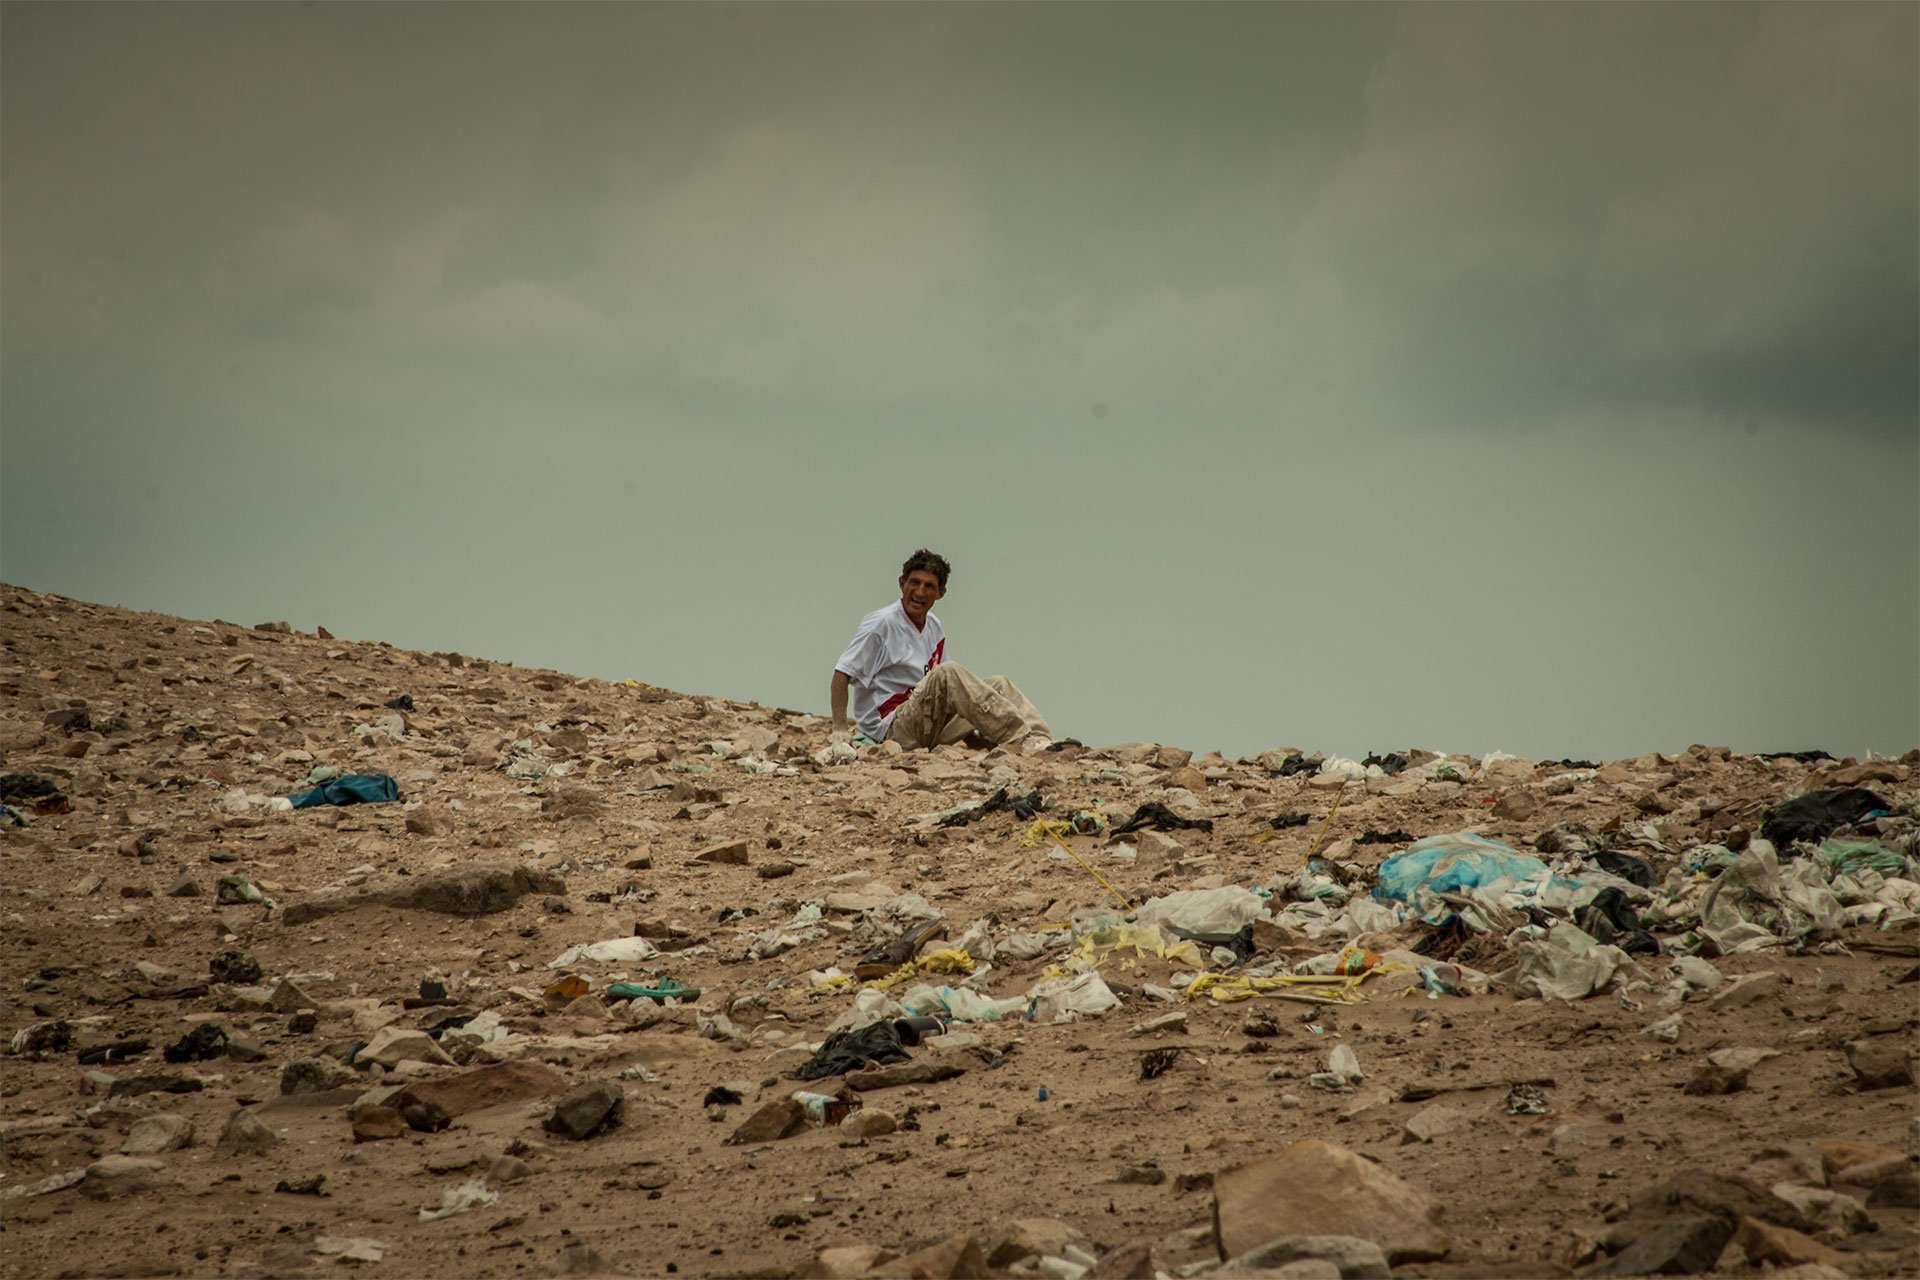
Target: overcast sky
1531,377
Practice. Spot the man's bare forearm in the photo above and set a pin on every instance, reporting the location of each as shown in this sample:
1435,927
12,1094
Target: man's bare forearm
837,700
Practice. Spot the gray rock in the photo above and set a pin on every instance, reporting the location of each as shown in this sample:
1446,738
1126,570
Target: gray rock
506,1169
186,887
315,1075
154,1134
585,1110
390,1046
246,1134
1354,1259
118,1176
1881,1063
1747,989
1430,1123
1676,1246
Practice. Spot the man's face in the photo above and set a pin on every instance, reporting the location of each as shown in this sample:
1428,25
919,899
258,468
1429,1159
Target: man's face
918,591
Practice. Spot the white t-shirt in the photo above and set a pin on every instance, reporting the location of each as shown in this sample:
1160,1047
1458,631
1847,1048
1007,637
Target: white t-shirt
887,657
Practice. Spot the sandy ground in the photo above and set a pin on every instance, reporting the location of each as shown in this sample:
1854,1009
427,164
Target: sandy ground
615,792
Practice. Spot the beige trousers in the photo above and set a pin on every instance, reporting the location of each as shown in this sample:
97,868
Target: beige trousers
950,702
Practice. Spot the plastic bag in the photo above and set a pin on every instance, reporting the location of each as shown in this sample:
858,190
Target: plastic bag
1064,999
1209,915
610,951
1455,863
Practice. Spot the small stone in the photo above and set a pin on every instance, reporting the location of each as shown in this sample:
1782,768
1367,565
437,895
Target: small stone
1710,1079
1433,1122
1881,1063
586,1110
1141,1175
1176,1021
154,1134
869,1122
577,1258
779,868
421,823
245,1049
245,1134
733,852
506,1169
1566,1139
781,1118
315,1075
186,887
303,1021
1747,989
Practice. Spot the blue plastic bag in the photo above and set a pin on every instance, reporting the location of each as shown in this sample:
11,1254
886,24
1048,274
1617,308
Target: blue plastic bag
1458,863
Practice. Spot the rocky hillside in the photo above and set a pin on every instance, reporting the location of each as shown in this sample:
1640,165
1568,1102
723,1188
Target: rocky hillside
568,1002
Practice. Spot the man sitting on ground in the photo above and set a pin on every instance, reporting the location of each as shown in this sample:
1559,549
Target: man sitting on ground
904,689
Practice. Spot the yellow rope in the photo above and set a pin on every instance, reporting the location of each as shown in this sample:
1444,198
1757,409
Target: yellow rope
1045,828
1329,822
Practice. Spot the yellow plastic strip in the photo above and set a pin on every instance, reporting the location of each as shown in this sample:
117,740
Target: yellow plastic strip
1090,871
1328,823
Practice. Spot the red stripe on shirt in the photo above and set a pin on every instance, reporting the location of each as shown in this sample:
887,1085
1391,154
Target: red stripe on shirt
887,708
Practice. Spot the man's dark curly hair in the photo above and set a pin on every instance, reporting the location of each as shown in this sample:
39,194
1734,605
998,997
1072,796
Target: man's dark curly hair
934,564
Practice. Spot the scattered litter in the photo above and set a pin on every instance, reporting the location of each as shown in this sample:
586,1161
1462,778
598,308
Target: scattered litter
469,1195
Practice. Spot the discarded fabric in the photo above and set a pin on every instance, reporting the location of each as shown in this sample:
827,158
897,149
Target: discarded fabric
352,788
1815,815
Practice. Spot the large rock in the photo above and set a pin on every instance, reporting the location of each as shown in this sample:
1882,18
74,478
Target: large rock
1729,1197
955,1258
154,1134
586,1110
486,1087
1673,1247
245,1134
391,1046
1767,1245
1354,1259
118,1176
1317,1188
477,890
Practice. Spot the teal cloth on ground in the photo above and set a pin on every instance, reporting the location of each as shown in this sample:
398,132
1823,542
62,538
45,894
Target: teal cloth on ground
352,788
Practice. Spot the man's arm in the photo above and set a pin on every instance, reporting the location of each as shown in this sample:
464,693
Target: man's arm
837,699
